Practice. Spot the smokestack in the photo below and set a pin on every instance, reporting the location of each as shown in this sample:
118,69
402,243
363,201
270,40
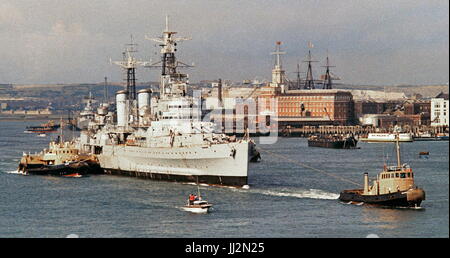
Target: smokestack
366,183
121,103
144,98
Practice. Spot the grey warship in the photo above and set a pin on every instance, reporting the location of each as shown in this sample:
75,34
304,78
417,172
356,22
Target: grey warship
162,137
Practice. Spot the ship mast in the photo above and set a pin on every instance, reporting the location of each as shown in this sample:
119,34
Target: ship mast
60,131
298,76
397,145
105,96
309,81
168,63
129,64
328,82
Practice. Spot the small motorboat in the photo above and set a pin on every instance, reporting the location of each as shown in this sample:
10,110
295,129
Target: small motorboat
196,204
199,206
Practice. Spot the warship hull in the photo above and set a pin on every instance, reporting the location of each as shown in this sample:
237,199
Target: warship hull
410,198
218,164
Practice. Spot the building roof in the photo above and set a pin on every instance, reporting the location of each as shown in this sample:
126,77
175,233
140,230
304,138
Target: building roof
442,95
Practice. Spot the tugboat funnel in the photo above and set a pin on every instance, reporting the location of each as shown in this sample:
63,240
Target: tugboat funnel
366,183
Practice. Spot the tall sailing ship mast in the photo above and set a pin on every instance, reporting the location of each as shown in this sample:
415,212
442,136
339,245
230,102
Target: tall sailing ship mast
327,80
309,80
328,77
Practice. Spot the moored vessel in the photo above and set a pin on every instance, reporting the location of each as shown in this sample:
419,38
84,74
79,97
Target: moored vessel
86,115
394,186
163,137
388,137
48,127
333,141
430,137
60,159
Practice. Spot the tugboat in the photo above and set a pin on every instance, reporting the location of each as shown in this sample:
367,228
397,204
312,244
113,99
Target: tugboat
393,187
332,141
60,159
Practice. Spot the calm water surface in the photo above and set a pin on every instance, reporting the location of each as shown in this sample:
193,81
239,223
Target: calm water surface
284,199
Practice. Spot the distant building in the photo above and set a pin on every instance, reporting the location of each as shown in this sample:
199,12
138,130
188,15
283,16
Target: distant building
313,107
364,107
439,110
417,107
391,121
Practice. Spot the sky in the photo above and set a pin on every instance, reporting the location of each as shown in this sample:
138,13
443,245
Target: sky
377,42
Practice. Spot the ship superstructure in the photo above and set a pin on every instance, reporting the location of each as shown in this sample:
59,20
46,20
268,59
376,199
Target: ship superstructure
163,137
87,114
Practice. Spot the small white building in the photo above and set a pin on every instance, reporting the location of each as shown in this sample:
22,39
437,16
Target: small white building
439,110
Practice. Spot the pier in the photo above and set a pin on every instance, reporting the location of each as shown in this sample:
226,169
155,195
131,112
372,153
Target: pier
356,130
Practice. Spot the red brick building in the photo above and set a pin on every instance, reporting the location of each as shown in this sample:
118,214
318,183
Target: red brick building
306,107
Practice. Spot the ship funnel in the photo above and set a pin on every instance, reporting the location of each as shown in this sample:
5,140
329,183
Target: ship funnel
121,102
366,183
143,103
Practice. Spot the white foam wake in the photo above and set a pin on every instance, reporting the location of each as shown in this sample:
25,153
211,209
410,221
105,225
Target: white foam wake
17,172
311,193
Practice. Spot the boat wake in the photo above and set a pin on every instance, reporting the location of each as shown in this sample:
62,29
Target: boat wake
219,186
410,208
311,194
354,203
16,172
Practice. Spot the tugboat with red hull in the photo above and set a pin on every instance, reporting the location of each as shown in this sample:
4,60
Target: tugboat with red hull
393,187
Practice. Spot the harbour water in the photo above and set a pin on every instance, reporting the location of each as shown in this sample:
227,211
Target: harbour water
284,199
